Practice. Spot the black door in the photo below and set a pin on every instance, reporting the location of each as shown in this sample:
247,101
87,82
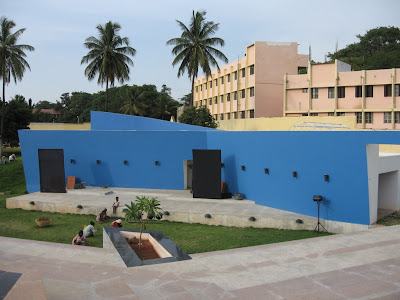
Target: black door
207,174
51,166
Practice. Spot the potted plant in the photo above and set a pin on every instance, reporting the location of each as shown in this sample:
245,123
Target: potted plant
143,205
43,221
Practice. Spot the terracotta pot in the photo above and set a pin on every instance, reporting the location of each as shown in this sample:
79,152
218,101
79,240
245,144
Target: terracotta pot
42,223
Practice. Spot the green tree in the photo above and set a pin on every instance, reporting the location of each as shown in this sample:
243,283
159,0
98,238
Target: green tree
185,100
379,48
198,116
196,47
12,61
108,57
133,99
17,116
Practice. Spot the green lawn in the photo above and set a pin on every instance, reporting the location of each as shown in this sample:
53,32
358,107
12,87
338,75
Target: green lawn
192,238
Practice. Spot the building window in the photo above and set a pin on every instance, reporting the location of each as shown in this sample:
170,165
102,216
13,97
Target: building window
201,88
210,101
252,70
358,91
243,93
242,114
243,72
197,89
222,98
221,117
252,92
341,92
216,117
359,117
388,90
228,97
304,114
235,115
340,114
228,116
216,100
387,117
235,75
313,114
397,116
331,92
228,77
305,90
331,114
251,113
368,118
210,84
397,90
369,91
216,82
201,102
314,93
222,80
205,85
235,96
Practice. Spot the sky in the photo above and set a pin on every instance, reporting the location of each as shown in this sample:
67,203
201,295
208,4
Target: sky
58,29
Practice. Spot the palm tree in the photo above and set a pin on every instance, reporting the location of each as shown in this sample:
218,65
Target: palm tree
108,56
195,47
132,105
12,61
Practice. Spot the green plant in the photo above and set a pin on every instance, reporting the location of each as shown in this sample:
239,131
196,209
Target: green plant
143,205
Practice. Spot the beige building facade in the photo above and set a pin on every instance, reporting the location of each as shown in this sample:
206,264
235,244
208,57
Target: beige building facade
332,89
250,87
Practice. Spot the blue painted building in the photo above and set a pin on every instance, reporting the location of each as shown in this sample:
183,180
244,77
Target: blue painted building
352,194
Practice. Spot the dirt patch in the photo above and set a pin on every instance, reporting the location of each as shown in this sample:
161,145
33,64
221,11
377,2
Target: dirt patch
146,251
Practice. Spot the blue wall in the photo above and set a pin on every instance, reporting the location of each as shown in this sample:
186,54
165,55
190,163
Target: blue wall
110,121
139,148
341,155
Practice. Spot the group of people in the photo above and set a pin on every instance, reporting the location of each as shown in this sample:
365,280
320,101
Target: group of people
11,158
89,230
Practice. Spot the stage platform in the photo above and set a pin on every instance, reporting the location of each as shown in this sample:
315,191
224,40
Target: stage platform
180,204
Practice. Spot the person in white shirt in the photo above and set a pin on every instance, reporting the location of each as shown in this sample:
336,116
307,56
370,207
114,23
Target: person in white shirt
89,230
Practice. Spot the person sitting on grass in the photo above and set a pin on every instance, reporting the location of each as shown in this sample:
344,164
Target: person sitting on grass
89,230
4,160
102,217
117,223
115,205
11,158
79,239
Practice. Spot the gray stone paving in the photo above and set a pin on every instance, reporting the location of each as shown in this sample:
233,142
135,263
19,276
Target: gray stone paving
362,265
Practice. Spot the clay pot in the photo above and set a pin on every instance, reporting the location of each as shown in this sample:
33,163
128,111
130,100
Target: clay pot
42,223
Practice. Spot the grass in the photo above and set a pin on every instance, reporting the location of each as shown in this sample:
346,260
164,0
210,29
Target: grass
192,238
393,219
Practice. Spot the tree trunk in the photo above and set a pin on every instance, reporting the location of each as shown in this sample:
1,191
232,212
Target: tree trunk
192,98
106,102
3,110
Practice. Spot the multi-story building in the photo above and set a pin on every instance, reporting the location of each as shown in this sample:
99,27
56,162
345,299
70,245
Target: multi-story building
251,86
332,89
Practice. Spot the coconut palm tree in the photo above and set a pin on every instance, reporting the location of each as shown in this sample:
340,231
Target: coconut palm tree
132,104
108,56
195,48
12,60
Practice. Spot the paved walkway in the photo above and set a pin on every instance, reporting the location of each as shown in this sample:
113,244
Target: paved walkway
360,265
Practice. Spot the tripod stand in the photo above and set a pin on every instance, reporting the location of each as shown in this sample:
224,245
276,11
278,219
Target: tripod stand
319,223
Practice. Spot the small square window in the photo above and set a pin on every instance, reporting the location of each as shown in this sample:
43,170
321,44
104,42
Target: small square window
243,93
368,118
251,113
369,91
252,70
340,114
387,90
331,114
305,90
313,114
387,117
358,90
341,92
314,93
331,92
242,114
252,92
359,117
